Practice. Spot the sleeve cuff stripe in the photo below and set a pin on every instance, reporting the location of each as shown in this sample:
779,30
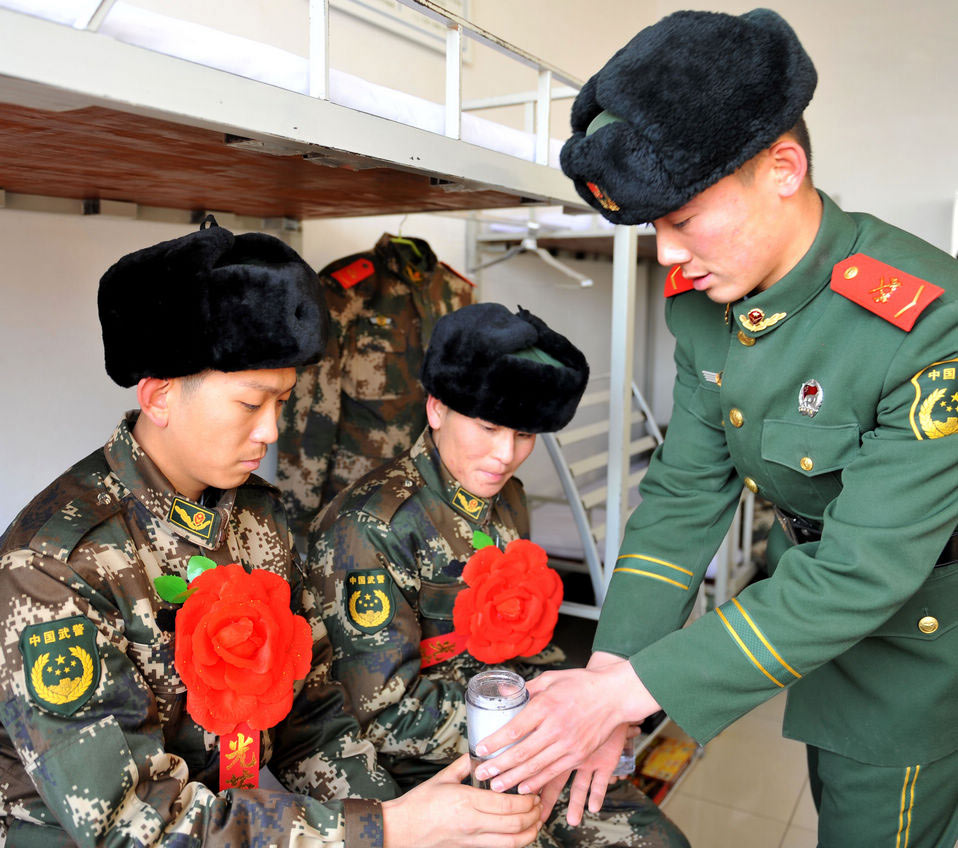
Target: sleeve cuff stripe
763,640
657,562
745,650
654,576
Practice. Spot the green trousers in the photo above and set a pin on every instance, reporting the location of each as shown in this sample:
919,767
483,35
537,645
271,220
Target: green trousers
866,806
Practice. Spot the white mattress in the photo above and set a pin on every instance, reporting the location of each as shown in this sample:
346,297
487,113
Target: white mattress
255,60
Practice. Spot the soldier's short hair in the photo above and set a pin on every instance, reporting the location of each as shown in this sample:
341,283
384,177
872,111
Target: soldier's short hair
210,300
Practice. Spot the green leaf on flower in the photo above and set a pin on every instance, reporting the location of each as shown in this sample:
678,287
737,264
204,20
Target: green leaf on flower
196,566
481,540
171,588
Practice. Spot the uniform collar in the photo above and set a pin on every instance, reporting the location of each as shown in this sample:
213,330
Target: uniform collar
763,312
202,525
410,259
425,455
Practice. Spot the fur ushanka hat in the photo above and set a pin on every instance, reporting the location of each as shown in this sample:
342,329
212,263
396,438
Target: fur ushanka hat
683,104
210,300
511,370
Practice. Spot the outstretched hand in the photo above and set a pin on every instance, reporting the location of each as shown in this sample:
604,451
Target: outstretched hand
570,716
443,812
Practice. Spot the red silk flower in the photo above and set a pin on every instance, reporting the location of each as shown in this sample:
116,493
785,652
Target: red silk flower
239,649
512,604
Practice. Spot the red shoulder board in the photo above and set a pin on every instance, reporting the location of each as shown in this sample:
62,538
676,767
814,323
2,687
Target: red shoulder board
676,282
888,292
354,272
456,273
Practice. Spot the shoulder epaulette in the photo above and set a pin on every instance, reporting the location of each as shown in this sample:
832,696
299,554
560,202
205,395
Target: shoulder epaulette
676,282
385,502
889,292
353,272
63,530
455,273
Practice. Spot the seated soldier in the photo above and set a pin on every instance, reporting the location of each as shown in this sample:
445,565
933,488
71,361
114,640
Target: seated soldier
493,380
103,738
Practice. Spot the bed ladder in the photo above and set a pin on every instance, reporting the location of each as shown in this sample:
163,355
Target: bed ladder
580,456
585,489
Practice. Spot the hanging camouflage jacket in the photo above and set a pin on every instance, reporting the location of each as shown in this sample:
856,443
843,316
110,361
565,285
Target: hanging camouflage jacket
110,755
363,404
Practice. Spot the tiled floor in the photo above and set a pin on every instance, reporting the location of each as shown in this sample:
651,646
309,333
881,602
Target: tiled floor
749,789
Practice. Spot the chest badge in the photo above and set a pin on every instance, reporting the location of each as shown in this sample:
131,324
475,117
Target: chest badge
61,663
369,601
810,397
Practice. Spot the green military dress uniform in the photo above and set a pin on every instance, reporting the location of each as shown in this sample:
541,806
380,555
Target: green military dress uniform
407,530
848,423
362,404
109,755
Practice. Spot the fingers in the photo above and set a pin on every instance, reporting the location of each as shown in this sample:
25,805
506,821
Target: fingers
550,794
456,772
501,803
578,792
600,784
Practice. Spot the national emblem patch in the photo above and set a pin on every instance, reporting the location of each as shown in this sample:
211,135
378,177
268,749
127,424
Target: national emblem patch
934,413
369,599
61,663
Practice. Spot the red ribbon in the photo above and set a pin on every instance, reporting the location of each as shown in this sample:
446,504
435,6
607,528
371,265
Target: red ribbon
239,758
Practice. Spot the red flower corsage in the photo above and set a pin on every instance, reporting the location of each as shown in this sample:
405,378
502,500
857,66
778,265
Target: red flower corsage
239,650
512,604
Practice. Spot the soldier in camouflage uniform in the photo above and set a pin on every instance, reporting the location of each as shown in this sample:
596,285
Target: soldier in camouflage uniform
96,745
363,405
494,379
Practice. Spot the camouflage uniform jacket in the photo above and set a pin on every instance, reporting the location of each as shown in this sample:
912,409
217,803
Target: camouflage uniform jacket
122,763
411,523
363,404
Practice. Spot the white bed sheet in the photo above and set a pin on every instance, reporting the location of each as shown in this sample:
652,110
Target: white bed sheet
265,63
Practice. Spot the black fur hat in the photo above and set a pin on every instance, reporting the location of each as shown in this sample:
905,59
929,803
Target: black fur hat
683,104
210,300
512,370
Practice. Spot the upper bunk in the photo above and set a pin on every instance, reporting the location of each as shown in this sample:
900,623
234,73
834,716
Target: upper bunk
103,102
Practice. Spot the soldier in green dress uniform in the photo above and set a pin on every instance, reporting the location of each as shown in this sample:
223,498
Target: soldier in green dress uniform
96,745
816,355
387,556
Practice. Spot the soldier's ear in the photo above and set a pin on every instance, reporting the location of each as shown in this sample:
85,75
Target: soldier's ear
153,395
435,411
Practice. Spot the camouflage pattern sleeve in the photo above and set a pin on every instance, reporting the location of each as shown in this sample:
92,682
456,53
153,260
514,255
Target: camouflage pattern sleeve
376,641
93,746
340,763
307,433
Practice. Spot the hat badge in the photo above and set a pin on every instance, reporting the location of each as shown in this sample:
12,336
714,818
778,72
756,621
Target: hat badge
810,397
604,200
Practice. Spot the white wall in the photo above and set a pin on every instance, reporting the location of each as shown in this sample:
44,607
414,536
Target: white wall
883,124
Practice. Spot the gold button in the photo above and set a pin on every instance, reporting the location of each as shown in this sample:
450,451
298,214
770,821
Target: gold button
851,271
748,341
736,417
718,379
751,485
807,464
928,624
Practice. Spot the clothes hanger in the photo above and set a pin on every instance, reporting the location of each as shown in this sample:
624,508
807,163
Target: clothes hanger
530,245
398,238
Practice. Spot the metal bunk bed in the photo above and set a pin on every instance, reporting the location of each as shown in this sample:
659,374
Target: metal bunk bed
109,127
